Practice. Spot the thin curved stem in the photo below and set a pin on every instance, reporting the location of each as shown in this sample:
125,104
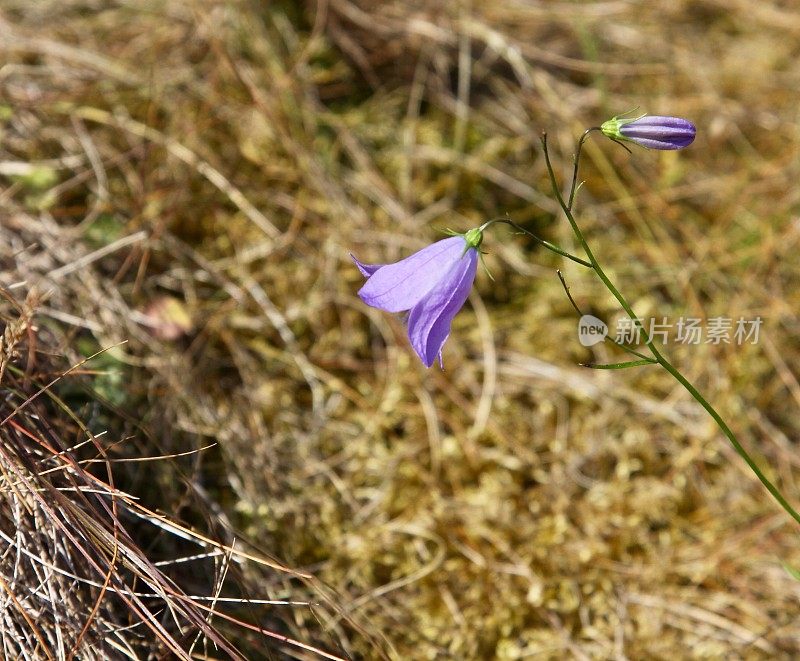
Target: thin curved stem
582,240
620,366
550,246
694,392
613,341
576,159
659,357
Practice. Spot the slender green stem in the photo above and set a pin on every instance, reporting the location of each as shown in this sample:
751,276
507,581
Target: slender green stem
576,159
620,366
550,246
694,392
610,339
659,357
633,352
582,240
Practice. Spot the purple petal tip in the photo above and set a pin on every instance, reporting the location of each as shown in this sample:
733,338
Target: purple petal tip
366,269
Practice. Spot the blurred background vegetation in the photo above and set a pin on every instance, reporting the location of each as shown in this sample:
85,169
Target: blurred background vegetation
188,176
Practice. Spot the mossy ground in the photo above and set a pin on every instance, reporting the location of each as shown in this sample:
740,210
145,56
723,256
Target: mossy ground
514,505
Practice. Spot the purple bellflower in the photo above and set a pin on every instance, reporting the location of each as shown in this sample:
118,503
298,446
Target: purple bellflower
432,284
651,131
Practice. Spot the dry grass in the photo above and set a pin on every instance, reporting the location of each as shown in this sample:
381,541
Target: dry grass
189,176
88,570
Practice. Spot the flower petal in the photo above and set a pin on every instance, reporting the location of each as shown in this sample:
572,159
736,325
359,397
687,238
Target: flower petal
366,269
400,286
661,144
430,319
657,132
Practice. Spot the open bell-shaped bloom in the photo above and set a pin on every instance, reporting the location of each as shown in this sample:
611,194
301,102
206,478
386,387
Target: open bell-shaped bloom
432,284
651,131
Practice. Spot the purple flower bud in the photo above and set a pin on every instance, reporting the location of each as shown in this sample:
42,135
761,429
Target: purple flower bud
653,132
432,284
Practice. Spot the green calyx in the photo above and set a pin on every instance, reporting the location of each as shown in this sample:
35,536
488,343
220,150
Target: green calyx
474,237
472,240
611,128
